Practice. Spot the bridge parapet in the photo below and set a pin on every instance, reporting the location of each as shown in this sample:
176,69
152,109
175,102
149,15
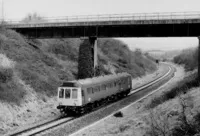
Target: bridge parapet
108,19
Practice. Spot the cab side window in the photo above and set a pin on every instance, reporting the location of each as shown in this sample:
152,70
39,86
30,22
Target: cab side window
74,93
61,93
89,90
103,87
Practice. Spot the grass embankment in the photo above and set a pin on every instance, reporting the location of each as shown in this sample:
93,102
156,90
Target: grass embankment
184,118
41,65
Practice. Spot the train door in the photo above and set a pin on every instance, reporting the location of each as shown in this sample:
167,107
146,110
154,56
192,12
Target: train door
130,82
83,96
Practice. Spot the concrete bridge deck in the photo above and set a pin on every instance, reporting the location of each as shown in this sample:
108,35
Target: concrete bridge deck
175,24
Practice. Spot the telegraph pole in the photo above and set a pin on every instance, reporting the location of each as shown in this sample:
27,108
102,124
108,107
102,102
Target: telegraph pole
2,11
199,59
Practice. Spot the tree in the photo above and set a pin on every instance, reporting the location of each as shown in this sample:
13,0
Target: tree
33,18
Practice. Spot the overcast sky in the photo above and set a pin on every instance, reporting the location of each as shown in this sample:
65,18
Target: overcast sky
18,9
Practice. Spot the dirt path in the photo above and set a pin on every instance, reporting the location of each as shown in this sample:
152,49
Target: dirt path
131,123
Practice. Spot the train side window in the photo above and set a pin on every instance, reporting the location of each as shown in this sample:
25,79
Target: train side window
92,90
61,93
103,87
95,89
119,82
89,91
111,85
98,88
108,85
115,83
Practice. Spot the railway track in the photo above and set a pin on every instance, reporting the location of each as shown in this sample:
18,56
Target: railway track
72,121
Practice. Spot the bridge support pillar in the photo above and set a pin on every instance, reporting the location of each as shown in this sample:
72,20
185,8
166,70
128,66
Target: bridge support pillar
89,45
93,42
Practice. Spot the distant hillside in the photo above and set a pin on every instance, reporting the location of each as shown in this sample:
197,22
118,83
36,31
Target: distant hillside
188,58
164,55
41,65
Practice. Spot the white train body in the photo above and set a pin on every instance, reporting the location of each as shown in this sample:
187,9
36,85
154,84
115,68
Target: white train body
77,95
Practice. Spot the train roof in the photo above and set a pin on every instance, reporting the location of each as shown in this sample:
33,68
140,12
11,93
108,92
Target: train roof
94,80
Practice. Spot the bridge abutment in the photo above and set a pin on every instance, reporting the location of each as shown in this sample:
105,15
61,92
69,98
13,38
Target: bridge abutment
88,62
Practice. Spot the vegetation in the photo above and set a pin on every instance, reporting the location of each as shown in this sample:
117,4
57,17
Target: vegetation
184,121
181,88
42,64
161,122
33,18
119,55
5,75
188,58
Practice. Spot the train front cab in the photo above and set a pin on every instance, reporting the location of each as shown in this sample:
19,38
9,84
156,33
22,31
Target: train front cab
69,98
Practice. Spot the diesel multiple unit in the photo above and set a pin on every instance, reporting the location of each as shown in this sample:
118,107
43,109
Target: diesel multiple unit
82,95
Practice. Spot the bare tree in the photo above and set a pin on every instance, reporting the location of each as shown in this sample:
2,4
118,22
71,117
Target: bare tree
159,123
33,18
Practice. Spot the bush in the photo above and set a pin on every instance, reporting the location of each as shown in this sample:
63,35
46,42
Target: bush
186,126
10,90
40,83
159,120
181,87
100,70
188,58
6,75
118,114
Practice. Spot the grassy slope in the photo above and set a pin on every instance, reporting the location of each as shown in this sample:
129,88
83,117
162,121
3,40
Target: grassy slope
188,58
43,64
120,56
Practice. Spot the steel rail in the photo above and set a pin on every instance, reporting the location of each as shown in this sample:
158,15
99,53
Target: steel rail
145,96
54,123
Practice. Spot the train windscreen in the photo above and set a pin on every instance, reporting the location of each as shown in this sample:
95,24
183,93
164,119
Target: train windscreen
67,93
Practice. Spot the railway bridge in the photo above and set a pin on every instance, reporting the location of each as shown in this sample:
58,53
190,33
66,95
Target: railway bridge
174,24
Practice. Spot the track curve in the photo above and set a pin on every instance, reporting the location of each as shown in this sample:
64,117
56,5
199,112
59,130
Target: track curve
73,124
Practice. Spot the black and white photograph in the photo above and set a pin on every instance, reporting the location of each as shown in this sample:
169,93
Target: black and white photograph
99,68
